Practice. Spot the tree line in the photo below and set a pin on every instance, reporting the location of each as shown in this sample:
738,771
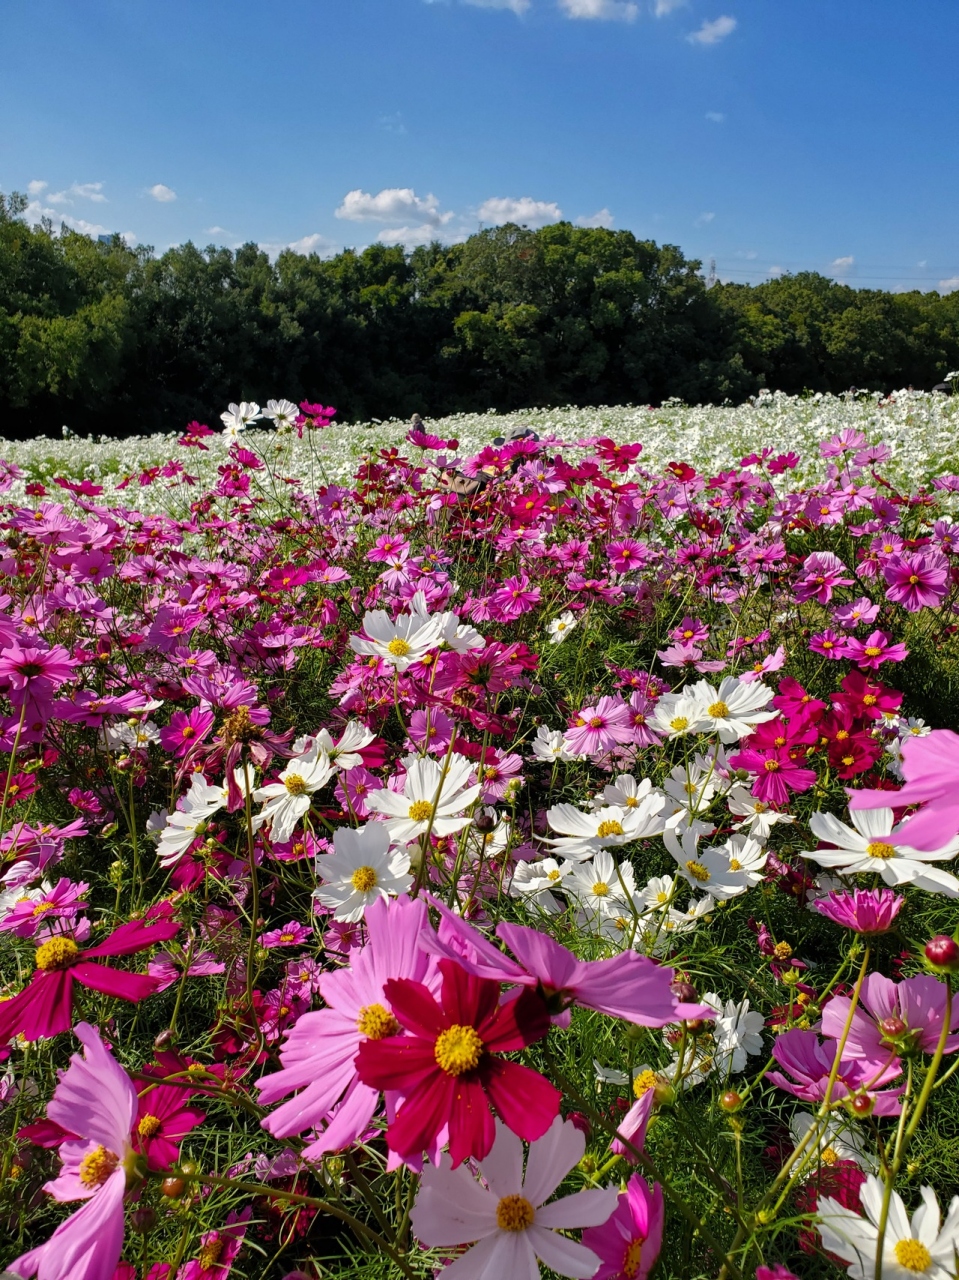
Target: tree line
117,340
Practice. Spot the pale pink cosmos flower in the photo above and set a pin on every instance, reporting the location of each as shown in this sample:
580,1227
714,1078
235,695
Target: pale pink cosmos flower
917,579
599,728
95,1100
892,1017
930,766
867,911
506,1220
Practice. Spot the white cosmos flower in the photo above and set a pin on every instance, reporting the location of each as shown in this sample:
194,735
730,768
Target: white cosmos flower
344,753
677,714
873,843
560,627
658,893
503,1219
601,886
691,788
737,1031
283,412
839,1140
238,417
188,821
433,798
452,633
534,880
399,643
130,735
705,869
548,746
757,815
744,854
627,793
910,1249
360,869
582,834
289,799
734,709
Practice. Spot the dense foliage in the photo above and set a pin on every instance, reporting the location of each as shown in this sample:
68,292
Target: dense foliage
118,341
362,838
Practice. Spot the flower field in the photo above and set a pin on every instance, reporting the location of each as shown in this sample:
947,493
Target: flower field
439,852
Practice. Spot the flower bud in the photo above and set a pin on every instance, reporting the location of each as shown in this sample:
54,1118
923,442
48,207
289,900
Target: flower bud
942,952
144,1219
172,1188
164,1039
731,1101
484,823
685,992
862,1105
892,1028
188,1168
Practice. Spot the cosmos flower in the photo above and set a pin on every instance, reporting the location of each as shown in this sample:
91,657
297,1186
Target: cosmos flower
875,844
360,869
399,643
925,1247
628,1243
289,799
433,798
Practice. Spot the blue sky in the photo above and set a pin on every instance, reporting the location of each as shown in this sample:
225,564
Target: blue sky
772,135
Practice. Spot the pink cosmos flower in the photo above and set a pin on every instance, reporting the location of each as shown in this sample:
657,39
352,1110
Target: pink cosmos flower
513,599
631,1134
864,910
892,1017
874,650
39,911
168,967
829,644
809,1062
291,935
917,579
628,1244
626,554
823,571
858,612
505,1215
449,1065
641,707
95,1103
218,1250
930,766
185,730
776,1272
776,772
320,1051
771,662
598,729
162,1122
45,1007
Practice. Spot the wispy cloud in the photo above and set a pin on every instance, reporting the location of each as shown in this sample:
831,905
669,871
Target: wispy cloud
603,218
392,204
524,210
601,10
841,265
78,191
36,187
517,6
35,212
776,272
950,285
159,191
662,7
409,237
704,219
717,117
713,32
314,243
392,123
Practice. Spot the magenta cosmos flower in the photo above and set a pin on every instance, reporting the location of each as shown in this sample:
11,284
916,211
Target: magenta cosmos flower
916,579
864,910
628,1243
504,1218
930,766
449,1065
95,1102
162,1122
892,1017
218,1250
45,1007
809,1063
599,728
776,772
319,1053
876,649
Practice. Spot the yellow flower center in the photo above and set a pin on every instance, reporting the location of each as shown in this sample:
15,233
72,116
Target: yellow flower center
364,879
295,784
96,1166
631,1258
697,870
596,722
514,1213
420,811
58,953
610,828
645,1081
735,864
829,1156
39,909
662,898
148,1126
600,889
211,1253
458,1049
631,802
873,651
376,1023
718,710
399,648
912,1255
678,724
782,950
880,849
770,765
552,876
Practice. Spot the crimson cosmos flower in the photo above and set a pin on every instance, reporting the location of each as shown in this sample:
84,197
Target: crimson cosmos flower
449,1069
45,1007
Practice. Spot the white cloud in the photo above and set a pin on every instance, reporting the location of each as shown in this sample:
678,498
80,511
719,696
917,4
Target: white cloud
392,204
409,236
525,210
922,265
841,265
603,10
776,272
704,219
162,193
713,32
79,191
36,187
717,117
314,243
662,7
950,285
517,6
603,218
217,231
35,211
392,123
